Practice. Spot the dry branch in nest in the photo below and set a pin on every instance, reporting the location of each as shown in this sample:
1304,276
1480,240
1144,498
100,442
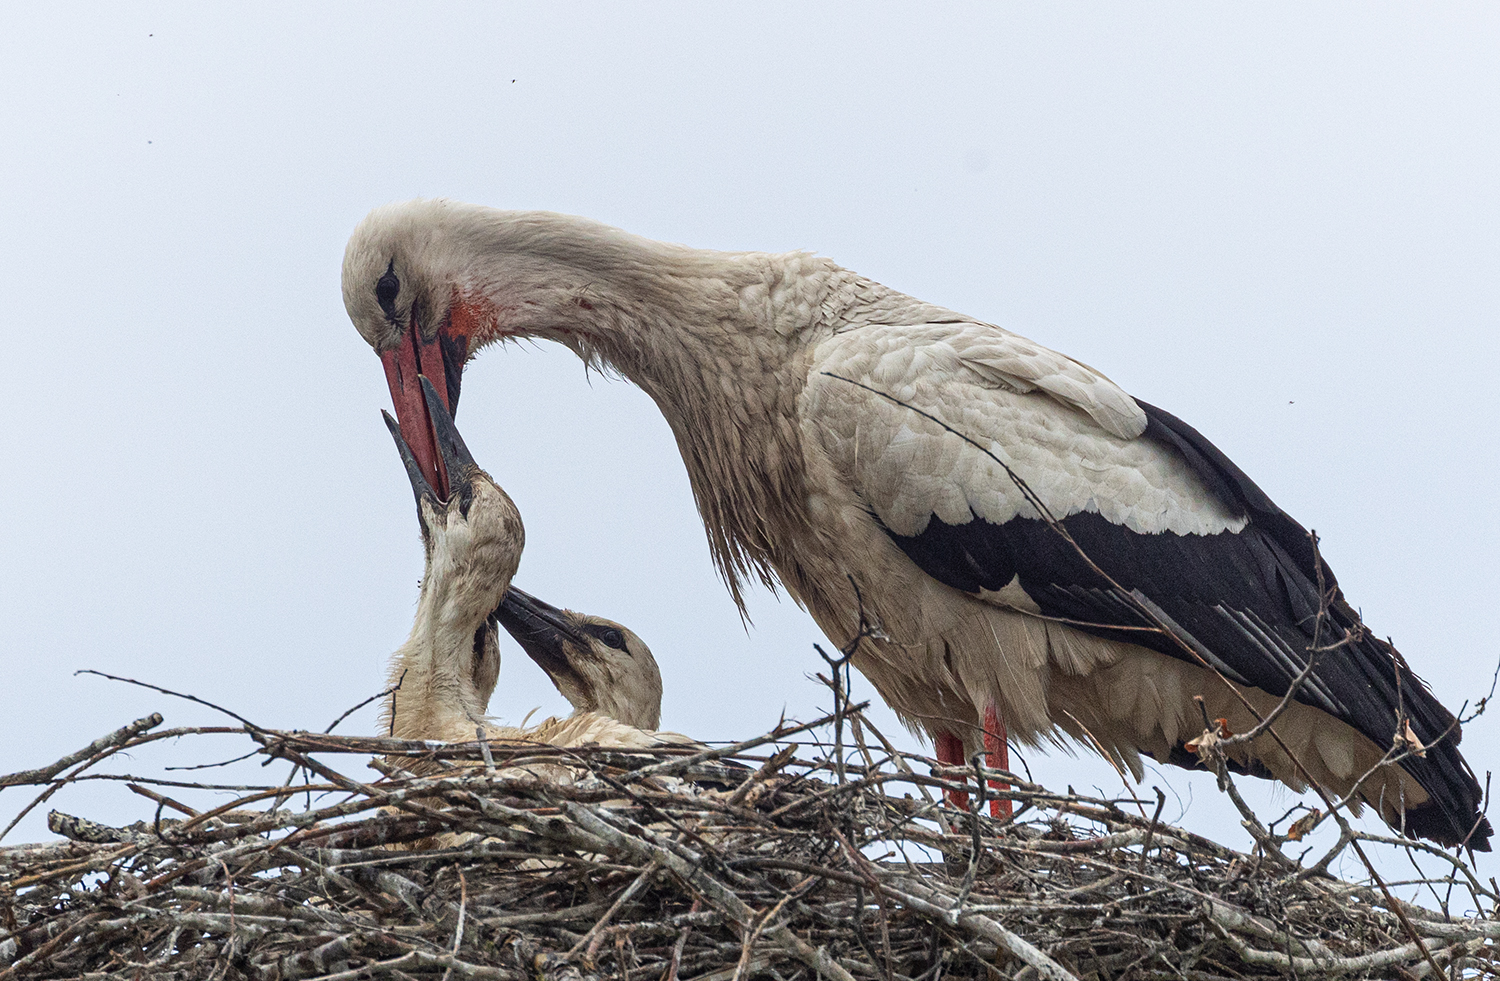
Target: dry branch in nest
765,859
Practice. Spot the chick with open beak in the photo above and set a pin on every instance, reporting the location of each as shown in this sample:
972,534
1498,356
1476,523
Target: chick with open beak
598,665
472,539
444,674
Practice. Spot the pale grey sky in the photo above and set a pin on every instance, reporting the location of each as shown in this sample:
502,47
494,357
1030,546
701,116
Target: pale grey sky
1278,221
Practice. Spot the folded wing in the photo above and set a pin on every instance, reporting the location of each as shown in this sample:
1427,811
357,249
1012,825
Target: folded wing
1165,530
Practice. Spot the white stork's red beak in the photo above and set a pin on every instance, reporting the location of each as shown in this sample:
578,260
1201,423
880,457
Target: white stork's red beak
405,364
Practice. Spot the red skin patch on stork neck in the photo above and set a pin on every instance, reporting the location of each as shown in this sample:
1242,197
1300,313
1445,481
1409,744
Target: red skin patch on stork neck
473,320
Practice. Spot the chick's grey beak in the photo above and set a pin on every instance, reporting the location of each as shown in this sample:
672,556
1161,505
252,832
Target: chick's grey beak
540,628
455,462
419,485
455,457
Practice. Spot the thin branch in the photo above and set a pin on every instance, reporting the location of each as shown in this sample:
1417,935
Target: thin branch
175,694
42,774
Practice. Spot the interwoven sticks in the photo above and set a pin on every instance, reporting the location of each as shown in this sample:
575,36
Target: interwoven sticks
755,862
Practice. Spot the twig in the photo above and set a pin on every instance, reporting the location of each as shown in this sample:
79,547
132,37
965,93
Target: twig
1161,800
776,735
922,898
121,735
175,694
376,697
630,892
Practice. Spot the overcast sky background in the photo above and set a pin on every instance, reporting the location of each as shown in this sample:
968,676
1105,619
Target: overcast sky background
1280,222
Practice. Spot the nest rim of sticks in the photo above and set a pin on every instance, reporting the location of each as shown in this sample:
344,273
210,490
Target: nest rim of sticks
783,856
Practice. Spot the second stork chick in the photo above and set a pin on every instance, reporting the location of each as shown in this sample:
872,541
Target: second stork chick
596,664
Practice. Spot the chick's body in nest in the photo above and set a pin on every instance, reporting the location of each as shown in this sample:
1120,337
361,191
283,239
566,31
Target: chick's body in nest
442,678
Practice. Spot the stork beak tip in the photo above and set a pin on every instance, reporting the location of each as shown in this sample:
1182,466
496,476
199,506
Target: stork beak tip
450,444
419,484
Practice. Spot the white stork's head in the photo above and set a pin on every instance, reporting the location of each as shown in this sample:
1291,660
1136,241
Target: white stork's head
472,538
598,665
720,341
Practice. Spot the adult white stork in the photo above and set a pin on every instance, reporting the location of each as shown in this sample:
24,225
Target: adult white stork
906,468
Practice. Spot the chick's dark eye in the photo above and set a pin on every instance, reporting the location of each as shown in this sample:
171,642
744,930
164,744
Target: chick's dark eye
613,638
386,288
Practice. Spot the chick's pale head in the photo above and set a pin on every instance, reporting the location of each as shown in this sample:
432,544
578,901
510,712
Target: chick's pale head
598,665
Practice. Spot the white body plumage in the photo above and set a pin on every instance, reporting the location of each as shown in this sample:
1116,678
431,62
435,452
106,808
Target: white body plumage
826,425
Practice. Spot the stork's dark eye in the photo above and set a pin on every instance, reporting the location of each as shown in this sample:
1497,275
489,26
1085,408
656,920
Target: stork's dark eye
386,288
613,638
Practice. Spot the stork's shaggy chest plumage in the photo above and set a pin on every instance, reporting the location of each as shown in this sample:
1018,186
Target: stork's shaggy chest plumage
1033,548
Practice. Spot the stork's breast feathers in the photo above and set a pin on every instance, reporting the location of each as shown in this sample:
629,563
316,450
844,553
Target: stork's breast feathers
1065,432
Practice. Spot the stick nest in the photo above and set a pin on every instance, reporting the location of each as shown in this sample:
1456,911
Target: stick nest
790,857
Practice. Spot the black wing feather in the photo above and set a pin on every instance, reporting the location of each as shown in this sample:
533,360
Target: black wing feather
1248,601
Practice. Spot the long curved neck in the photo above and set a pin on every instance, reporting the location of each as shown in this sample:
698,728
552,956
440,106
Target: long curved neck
719,340
432,675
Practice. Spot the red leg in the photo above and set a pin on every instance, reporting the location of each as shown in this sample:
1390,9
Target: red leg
950,752
996,756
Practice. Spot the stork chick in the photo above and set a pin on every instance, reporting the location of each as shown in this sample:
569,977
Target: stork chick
472,538
596,664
